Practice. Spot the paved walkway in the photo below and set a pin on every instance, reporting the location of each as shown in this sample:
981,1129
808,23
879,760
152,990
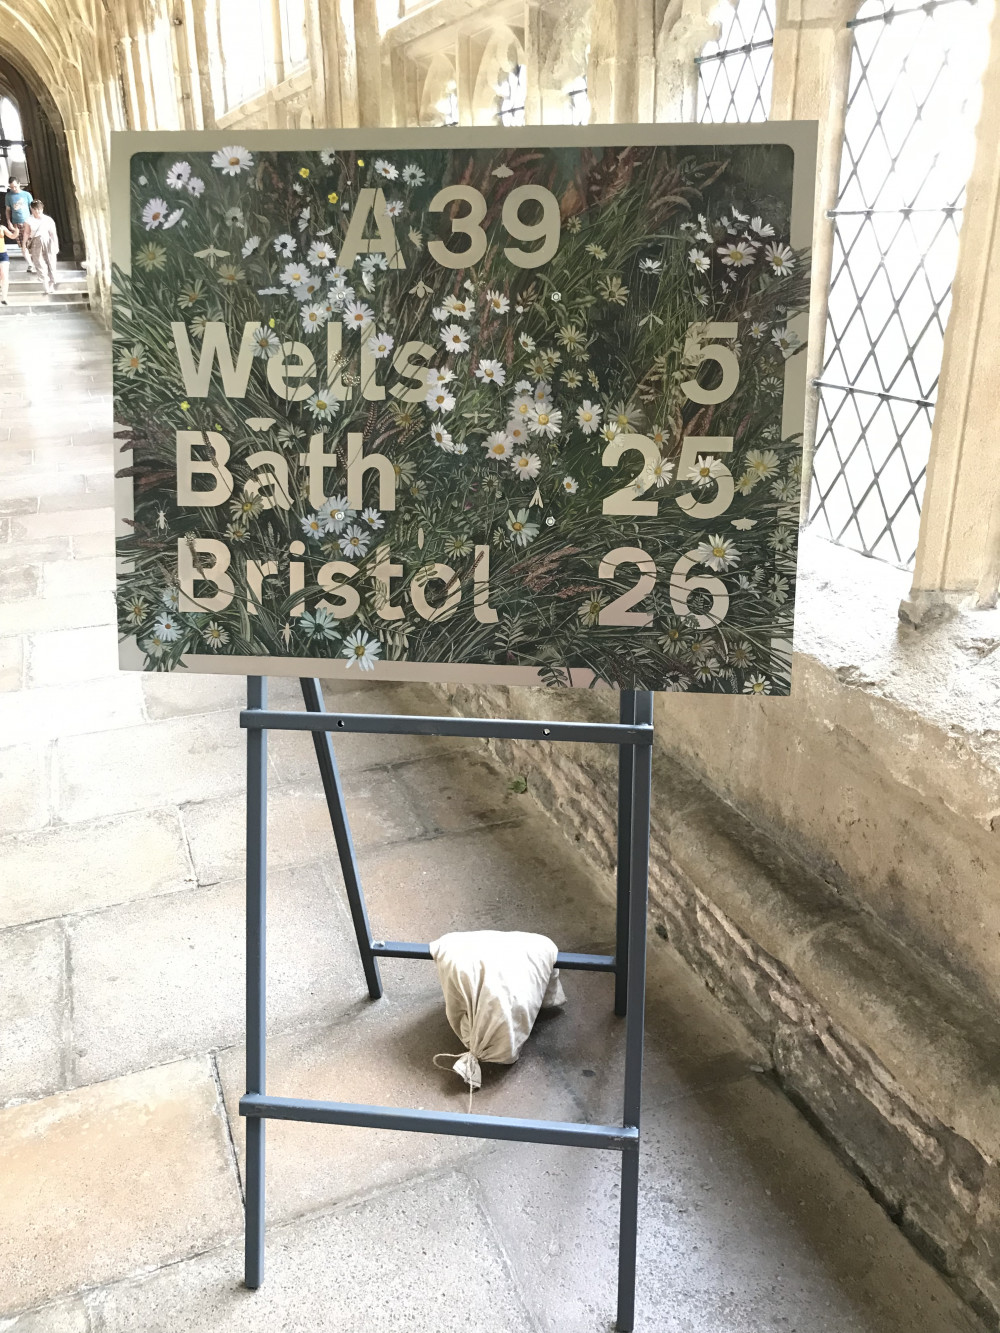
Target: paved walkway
121,1020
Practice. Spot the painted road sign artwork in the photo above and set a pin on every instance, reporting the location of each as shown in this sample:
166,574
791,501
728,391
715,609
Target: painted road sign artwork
463,406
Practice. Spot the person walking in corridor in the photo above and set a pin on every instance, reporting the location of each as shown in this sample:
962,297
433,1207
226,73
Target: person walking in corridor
18,202
6,234
43,245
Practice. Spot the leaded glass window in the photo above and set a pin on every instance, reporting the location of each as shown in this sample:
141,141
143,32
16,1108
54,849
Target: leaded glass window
511,94
908,146
734,73
579,102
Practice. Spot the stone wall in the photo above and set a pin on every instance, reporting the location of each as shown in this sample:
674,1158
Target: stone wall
827,864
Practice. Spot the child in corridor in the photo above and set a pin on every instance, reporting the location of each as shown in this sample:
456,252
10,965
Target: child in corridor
43,245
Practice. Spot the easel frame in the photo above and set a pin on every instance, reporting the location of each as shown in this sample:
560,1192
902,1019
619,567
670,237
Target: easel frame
633,735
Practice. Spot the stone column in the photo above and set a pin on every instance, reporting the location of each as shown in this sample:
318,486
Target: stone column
202,55
369,66
958,554
683,34
811,75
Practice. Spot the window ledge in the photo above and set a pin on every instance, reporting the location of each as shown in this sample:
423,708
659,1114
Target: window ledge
947,672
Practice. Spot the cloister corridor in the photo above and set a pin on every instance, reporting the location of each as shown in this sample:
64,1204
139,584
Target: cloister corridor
121,1014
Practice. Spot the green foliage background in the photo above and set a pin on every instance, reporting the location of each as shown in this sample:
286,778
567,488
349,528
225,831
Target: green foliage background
641,208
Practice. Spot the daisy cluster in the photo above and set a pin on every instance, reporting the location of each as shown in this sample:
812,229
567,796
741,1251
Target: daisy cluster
534,374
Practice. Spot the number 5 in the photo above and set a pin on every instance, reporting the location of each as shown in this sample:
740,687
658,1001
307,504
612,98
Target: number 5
724,357
725,487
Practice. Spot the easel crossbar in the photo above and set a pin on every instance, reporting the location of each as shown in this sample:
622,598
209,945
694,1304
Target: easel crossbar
581,962
478,728
560,1132
633,735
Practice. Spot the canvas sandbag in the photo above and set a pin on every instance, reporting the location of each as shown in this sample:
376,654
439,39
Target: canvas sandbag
494,983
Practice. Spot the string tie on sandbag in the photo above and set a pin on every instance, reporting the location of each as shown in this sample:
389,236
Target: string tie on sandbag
467,1067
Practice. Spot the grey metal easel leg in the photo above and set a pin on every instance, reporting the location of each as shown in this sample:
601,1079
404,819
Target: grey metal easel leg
253,1271
641,792
312,693
626,714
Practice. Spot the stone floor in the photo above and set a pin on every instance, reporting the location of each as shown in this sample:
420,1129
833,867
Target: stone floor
121,973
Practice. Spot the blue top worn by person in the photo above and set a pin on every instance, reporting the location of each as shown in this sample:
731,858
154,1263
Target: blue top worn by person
18,202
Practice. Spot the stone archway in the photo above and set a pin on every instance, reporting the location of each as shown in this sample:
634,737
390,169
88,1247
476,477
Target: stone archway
49,173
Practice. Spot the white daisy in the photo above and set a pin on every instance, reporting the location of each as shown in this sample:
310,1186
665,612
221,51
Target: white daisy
385,169
498,446
294,273
439,399
661,472
337,512
522,407
373,518
177,176
231,161
588,417
757,685
570,485
306,291
313,317
705,471
650,265
763,229
354,542
455,338
547,423
757,330
315,526
196,186
517,434
762,462
381,344
323,405
781,259
718,553
785,340
171,597
361,649
457,307
521,530
173,218
439,375
265,342
590,611
412,174
214,635
393,208
491,372
526,466
700,260
441,438
284,245
498,303
737,254
357,315
249,246
321,254
168,627
154,213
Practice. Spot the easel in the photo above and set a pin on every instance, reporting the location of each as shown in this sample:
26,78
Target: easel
633,735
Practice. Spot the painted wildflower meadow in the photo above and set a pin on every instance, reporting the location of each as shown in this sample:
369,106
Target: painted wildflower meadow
517,408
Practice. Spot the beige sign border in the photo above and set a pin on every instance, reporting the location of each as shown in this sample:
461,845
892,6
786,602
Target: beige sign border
800,136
